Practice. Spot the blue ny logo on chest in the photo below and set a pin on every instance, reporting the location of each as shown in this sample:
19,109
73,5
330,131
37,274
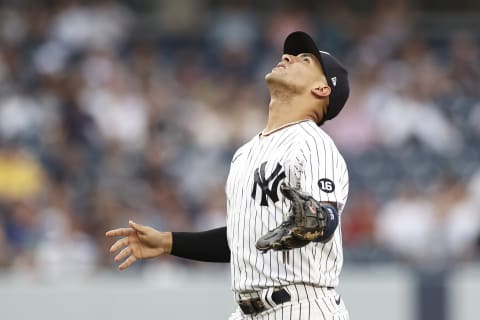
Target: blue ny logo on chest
268,186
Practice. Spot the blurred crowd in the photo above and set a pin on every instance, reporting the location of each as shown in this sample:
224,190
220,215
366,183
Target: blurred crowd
111,111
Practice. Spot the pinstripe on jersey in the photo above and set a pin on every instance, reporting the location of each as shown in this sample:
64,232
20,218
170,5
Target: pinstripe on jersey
302,155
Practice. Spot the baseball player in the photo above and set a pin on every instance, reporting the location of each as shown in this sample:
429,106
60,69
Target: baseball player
285,191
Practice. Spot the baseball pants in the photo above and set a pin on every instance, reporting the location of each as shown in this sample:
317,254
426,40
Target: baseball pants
306,302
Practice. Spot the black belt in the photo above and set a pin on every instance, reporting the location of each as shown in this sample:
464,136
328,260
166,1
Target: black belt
256,305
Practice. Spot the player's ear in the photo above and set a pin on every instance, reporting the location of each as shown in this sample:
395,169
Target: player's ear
321,90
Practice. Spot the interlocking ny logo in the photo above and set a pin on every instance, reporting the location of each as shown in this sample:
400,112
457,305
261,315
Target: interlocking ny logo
263,183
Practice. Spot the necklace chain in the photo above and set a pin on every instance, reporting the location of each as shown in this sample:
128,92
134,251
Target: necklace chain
264,134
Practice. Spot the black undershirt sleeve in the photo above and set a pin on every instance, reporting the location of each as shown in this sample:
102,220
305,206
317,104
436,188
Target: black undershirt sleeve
208,246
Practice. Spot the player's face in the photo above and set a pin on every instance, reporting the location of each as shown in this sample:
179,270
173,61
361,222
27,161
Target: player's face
299,73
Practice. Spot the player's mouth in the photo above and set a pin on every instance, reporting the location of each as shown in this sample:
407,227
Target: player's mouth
280,66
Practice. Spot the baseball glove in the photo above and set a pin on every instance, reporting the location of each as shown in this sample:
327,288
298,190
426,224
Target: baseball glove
306,221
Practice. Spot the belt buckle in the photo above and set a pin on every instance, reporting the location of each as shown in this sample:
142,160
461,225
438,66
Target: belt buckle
281,296
251,306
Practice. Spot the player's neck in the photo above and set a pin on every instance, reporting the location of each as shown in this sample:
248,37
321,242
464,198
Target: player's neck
282,113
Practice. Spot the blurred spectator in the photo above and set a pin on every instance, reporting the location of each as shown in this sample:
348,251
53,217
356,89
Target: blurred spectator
181,17
459,212
4,248
383,33
406,225
464,65
104,24
404,110
64,252
21,176
20,227
118,108
214,210
21,117
354,131
434,229
232,37
284,21
359,220
169,210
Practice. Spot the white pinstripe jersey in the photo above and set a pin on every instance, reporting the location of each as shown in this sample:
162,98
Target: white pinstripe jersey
304,156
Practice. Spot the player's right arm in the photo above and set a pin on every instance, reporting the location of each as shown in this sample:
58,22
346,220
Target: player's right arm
143,242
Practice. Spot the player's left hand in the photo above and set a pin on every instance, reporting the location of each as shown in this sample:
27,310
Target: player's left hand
306,221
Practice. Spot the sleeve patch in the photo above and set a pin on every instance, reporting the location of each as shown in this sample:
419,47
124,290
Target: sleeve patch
326,185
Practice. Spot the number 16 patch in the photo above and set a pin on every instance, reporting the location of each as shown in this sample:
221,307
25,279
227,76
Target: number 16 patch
326,185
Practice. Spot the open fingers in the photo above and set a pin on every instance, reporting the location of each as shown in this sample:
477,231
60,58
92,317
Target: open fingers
118,244
120,232
123,254
127,263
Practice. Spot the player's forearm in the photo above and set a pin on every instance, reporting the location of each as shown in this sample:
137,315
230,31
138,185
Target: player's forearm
208,246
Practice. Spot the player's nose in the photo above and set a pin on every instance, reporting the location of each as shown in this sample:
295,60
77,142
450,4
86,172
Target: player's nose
287,58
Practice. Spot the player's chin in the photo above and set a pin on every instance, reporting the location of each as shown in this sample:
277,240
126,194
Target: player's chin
273,76
276,80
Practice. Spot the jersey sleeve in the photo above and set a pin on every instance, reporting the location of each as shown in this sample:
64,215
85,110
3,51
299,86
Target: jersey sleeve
207,246
318,169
